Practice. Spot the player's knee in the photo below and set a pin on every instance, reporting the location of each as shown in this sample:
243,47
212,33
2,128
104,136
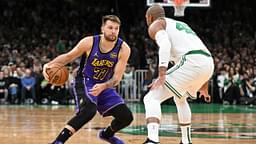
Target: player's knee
181,100
86,113
150,100
127,118
147,99
89,109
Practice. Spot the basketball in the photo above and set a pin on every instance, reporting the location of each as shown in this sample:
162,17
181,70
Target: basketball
58,74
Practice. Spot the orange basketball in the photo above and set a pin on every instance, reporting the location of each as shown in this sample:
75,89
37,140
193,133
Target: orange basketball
58,74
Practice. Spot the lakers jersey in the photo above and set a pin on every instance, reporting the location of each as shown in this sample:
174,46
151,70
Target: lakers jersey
98,67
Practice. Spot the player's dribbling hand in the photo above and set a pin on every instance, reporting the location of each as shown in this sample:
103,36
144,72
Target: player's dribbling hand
157,83
45,68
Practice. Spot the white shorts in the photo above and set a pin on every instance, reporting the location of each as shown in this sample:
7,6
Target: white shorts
185,78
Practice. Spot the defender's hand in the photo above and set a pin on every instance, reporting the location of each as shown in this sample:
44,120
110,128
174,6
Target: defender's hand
158,82
97,89
204,93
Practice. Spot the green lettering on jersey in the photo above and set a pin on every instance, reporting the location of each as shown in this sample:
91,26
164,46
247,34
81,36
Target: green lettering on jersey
184,27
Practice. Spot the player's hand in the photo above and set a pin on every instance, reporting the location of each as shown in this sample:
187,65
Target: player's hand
204,93
158,82
97,89
45,74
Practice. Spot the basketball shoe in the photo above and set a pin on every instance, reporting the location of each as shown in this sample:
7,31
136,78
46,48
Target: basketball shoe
111,140
148,141
182,143
57,142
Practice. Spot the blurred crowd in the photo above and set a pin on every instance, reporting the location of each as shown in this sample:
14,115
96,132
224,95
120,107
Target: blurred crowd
34,32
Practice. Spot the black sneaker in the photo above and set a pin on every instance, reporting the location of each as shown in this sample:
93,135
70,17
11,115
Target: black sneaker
148,141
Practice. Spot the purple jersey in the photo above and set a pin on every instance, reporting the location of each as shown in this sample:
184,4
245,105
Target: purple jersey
98,67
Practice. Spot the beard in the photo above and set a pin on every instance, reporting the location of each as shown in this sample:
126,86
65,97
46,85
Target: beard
110,37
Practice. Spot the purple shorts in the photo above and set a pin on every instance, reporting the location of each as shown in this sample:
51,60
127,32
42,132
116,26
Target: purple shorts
105,101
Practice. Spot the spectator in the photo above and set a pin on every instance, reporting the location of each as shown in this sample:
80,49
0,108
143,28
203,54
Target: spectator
37,74
28,83
230,34
3,89
248,90
14,89
127,83
60,46
232,85
57,94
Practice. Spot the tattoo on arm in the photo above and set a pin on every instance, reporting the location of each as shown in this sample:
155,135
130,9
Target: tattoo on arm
112,82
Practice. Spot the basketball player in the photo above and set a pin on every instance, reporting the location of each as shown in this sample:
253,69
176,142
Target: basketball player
193,67
103,62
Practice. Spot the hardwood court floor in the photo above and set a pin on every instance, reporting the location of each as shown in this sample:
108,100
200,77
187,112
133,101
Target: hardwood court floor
212,124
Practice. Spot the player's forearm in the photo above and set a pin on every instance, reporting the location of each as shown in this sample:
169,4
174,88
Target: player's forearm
114,81
162,71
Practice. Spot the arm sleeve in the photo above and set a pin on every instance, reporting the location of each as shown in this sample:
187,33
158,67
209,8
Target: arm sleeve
164,45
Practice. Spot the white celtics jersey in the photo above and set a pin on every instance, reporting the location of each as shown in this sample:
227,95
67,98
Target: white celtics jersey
183,39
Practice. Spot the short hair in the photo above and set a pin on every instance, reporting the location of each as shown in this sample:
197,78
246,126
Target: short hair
156,10
113,18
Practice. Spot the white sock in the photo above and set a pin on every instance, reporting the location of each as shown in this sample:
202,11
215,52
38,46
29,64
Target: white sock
153,131
186,134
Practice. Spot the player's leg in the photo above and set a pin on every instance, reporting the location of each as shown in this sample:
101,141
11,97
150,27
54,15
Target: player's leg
184,116
86,113
183,109
122,118
110,103
185,80
178,82
152,102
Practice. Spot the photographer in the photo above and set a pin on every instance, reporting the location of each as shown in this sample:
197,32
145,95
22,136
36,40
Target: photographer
232,83
248,90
